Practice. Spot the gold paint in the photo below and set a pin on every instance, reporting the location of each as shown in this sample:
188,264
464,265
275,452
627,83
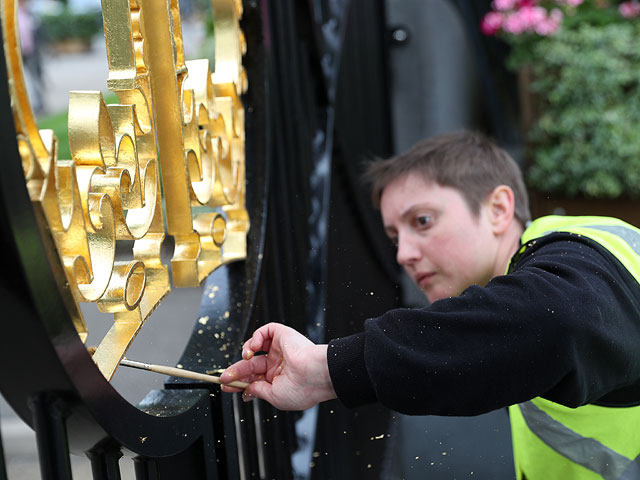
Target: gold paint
110,189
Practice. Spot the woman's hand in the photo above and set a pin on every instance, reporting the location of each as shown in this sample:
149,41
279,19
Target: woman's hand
293,375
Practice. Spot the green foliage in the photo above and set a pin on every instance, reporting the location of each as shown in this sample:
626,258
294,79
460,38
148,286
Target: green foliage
593,12
68,25
585,140
58,123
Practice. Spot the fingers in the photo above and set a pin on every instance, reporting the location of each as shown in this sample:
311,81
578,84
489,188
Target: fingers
251,368
264,338
246,370
228,389
271,338
259,341
258,389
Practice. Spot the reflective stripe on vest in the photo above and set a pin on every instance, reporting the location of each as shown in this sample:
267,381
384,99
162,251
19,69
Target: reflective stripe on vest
629,235
551,441
618,237
584,451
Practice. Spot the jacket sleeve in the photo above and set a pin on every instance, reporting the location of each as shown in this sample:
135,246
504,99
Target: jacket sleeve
565,325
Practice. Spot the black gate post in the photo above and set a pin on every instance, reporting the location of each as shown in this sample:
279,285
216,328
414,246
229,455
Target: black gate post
145,468
105,462
49,415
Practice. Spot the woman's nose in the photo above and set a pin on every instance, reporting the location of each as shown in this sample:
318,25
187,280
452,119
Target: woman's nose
408,251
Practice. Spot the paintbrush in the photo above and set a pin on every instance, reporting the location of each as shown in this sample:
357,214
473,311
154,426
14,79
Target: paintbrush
179,372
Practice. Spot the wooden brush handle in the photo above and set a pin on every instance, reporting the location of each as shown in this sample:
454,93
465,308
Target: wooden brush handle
179,372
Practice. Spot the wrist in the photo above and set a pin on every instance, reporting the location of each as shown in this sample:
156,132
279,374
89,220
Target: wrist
325,386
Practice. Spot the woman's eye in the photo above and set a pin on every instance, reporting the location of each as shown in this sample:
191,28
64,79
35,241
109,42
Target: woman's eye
423,220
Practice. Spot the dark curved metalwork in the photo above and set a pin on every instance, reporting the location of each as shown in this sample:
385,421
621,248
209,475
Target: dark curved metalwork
302,169
49,377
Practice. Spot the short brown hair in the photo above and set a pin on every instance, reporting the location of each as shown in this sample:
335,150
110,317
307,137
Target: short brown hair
464,160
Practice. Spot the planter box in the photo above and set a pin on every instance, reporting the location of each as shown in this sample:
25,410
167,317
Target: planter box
72,45
550,204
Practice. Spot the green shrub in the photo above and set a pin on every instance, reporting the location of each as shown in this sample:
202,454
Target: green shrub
583,57
585,138
68,25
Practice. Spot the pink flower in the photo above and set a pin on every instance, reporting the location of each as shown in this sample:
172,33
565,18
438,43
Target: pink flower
491,23
547,27
551,24
532,16
630,9
524,20
504,4
514,24
556,16
526,16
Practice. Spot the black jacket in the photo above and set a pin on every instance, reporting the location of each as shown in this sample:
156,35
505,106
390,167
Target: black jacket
564,325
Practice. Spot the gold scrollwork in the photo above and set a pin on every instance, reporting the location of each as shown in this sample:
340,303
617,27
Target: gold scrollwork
110,189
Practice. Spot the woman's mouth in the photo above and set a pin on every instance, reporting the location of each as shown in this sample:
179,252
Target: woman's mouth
423,279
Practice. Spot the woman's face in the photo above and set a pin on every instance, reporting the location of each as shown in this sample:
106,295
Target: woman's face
441,244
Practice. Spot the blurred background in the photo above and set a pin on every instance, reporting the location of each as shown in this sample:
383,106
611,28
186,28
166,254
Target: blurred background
555,82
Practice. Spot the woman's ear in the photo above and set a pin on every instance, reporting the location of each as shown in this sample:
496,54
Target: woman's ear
500,206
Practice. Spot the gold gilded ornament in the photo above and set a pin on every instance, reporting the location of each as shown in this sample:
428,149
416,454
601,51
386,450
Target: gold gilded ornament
176,120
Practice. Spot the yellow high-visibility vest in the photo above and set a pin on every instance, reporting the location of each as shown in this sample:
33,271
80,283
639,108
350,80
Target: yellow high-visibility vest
551,441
